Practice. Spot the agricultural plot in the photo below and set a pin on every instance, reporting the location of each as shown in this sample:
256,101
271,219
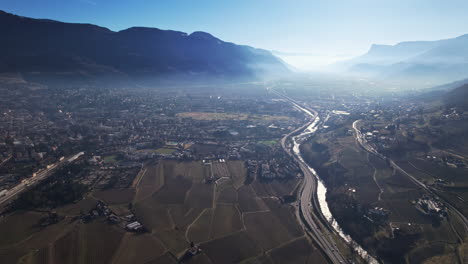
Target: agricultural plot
139,248
248,200
221,216
260,225
297,251
360,171
66,249
100,241
230,116
115,196
200,230
220,169
275,188
167,258
367,181
228,219
18,227
231,249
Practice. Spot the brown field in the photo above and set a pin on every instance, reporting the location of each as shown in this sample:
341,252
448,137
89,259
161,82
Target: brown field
226,220
275,188
183,215
138,248
151,181
173,191
227,195
285,214
152,215
238,172
248,200
95,242
200,230
232,248
173,240
262,259
200,195
260,226
220,169
297,251
41,256
66,248
201,258
361,171
84,205
115,196
100,241
18,227
167,258
174,204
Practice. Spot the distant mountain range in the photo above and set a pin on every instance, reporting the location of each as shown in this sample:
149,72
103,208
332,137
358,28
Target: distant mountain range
425,62
41,47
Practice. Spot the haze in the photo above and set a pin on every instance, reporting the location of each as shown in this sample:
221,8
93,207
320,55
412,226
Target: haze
322,31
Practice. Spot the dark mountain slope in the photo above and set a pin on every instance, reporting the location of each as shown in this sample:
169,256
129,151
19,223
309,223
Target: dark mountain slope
52,47
458,97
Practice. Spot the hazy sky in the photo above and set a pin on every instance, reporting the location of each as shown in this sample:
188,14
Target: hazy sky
326,29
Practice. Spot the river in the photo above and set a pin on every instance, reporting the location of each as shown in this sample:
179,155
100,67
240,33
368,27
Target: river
322,190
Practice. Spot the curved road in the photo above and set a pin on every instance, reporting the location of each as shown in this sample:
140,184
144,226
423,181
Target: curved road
304,212
363,143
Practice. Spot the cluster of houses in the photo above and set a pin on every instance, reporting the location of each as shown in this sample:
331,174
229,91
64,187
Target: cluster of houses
447,160
129,222
377,215
431,206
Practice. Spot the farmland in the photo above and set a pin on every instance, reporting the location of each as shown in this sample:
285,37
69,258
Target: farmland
376,204
227,218
230,116
231,221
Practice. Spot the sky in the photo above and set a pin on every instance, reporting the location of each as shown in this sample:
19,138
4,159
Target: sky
308,33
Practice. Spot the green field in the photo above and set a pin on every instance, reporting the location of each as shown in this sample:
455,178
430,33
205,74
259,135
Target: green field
269,143
110,159
165,151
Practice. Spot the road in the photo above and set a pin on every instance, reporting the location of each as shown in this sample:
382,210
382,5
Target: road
6,160
307,194
39,176
366,146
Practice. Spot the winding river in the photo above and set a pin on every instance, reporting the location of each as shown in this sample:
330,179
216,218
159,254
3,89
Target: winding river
322,190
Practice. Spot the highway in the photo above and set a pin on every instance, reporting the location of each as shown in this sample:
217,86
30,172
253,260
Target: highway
37,177
366,146
319,233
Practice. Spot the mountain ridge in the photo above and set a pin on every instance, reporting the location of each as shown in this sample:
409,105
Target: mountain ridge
427,63
50,46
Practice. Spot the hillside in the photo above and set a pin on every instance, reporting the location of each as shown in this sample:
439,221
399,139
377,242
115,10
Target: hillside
52,48
419,62
458,97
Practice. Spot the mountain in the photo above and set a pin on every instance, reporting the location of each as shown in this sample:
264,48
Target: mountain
457,97
426,63
51,48
449,86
